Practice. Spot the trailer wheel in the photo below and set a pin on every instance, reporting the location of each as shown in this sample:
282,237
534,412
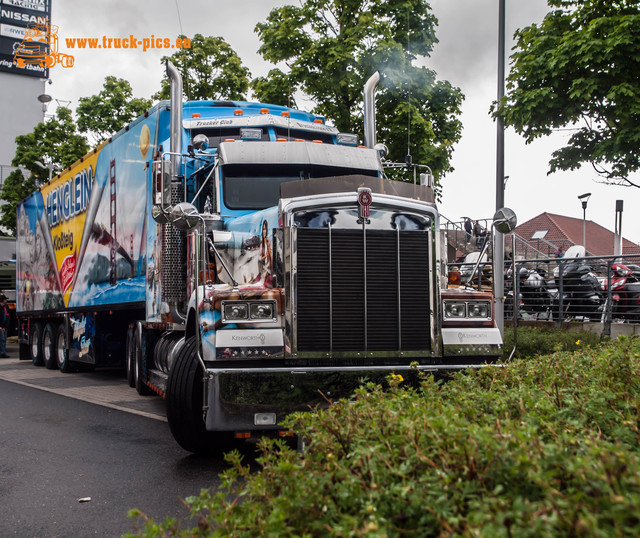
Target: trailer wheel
49,347
139,383
62,353
184,400
35,344
130,354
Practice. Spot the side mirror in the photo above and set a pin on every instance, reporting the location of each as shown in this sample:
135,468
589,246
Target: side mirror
184,216
382,149
505,220
160,216
200,142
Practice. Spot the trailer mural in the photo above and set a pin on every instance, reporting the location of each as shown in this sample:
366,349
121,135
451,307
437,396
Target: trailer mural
89,242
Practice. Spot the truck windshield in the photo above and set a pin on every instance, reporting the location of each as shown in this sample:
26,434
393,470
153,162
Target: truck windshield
258,186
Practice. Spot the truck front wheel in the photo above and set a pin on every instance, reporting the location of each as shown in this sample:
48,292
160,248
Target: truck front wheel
35,344
184,402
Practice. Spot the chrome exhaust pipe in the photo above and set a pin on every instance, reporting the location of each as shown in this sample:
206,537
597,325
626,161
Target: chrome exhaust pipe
370,109
174,273
176,118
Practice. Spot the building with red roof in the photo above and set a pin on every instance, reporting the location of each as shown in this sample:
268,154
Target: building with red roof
548,233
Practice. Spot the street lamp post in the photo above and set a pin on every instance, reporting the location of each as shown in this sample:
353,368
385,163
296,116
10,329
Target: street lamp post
49,167
498,240
584,198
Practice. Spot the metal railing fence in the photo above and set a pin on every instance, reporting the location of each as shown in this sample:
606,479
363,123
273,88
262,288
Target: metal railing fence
602,289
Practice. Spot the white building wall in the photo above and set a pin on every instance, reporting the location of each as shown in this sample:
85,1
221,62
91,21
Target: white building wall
20,112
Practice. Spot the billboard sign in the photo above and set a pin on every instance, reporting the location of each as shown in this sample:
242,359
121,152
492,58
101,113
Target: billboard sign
25,37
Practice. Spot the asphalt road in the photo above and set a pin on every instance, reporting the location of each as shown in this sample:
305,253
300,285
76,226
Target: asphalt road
73,468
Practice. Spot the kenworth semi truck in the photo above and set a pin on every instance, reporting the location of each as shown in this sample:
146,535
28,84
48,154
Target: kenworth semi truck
242,261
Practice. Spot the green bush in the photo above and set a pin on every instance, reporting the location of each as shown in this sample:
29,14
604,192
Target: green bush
546,447
534,341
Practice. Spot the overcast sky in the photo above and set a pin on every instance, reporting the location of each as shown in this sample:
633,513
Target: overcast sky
466,56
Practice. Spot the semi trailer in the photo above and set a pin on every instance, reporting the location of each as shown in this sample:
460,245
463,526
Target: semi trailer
242,261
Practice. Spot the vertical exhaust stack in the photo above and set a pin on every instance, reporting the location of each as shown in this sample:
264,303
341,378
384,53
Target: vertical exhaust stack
370,109
176,117
173,271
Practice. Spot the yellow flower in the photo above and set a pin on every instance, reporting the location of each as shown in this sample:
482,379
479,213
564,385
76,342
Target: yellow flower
397,377
577,342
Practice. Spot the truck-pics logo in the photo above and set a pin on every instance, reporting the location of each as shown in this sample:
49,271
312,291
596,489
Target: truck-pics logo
40,47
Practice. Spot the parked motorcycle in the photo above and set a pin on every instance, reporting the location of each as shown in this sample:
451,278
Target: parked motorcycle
579,292
625,292
535,294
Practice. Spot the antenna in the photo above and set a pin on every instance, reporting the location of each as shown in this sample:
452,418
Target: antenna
408,158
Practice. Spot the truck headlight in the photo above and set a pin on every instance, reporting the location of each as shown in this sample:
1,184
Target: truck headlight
455,309
467,310
249,311
263,310
235,311
479,309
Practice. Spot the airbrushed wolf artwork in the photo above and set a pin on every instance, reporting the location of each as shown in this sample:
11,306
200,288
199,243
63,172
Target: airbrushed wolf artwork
242,260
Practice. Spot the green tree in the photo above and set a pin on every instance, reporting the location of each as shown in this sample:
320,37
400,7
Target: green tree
210,69
276,88
104,114
578,70
331,47
55,143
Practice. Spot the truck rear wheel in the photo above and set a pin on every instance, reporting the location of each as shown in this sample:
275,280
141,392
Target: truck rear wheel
184,401
49,347
35,343
62,353
141,386
130,355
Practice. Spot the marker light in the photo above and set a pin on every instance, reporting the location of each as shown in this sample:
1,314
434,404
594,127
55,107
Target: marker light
251,134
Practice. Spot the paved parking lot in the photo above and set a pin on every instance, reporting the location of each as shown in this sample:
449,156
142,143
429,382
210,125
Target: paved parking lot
107,388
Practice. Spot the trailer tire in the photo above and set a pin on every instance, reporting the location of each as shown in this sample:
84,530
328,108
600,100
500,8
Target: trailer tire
130,354
49,347
184,400
141,387
35,344
62,353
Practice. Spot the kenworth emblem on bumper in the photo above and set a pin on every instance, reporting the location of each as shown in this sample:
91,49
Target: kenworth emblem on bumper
364,202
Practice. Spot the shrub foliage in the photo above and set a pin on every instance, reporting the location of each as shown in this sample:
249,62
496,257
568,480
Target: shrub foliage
540,447
534,341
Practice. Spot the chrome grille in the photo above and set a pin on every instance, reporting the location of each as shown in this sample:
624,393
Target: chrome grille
362,290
